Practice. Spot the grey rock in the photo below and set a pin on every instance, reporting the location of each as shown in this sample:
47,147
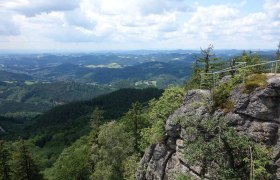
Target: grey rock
256,114
162,160
225,79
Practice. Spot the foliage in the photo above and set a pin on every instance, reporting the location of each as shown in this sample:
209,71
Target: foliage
134,122
252,59
205,63
78,141
11,127
222,151
60,127
158,112
23,165
41,97
5,157
228,106
207,58
254,81
96,118
194,81
72,163
222,92
262,160
112,147
184,177
130,165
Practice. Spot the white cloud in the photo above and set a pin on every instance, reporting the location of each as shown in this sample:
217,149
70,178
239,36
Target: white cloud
34,7
225,23
272,8
7,24
146,23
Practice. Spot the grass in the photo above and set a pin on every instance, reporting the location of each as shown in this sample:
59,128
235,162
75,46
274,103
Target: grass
254,81
10,82
228,106
221,94
29,83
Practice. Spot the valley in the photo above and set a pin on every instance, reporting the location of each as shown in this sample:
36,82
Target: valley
59,104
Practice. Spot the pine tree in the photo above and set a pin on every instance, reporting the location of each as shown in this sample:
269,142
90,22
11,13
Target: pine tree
134,122
114,145
207,63
24,166
96,118
207,59
5,170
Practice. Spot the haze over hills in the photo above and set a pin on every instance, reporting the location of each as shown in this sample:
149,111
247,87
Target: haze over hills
139,89
53,79
76,107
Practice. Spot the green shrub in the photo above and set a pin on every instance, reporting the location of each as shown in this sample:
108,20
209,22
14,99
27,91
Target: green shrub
221,94
220,149
228,106
157,113
254,81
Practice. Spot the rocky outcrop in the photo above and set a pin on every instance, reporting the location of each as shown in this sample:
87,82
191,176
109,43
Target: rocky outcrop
256,113
163,160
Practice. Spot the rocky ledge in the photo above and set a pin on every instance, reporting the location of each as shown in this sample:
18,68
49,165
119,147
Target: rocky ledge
256,113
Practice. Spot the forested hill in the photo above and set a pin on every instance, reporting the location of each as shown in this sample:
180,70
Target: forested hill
56,129
114,104
137,131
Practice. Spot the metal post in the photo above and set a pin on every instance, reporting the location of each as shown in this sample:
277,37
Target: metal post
243,76
200,81
252,164
213,80
276,67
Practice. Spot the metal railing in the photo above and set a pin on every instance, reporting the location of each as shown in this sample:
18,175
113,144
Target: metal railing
241,66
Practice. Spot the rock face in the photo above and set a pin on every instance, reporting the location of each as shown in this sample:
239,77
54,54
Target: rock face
162,160
256,113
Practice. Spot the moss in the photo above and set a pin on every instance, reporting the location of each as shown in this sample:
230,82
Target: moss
221,94
228,106
254,81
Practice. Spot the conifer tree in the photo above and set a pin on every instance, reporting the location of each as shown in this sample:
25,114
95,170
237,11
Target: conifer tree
4,162
134,122
24,166
207,58
96,118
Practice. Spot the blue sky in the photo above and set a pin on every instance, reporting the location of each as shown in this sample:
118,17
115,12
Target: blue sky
93,25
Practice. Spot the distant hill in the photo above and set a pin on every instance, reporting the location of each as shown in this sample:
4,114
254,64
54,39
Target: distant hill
62,125
39,97
144,71
10,76
114,104
10,127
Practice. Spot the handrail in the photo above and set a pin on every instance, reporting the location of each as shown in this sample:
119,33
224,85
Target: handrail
239,66
226,69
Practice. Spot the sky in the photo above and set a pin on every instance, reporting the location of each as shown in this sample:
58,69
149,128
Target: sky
94,25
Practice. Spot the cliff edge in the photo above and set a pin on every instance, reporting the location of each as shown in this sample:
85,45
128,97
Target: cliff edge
256,113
